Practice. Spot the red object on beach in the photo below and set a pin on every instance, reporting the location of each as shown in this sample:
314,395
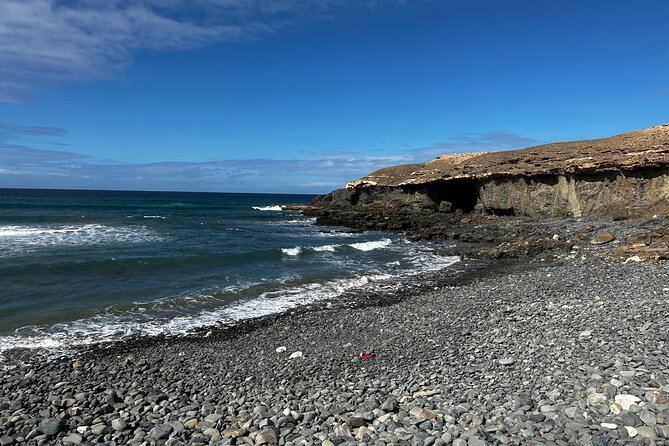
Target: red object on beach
363,355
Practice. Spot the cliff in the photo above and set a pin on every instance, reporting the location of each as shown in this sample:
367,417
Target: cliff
622,176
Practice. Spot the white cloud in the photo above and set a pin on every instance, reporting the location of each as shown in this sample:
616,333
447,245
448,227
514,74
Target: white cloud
25,166
49,41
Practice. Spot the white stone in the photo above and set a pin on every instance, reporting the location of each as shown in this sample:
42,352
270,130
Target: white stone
585,334
609,426
281,349
362,431
295,355
626,401
632,259
631,431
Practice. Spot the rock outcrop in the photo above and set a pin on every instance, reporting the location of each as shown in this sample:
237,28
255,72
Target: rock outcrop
622,176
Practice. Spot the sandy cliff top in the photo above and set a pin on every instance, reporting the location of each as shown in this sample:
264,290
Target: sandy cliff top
645,148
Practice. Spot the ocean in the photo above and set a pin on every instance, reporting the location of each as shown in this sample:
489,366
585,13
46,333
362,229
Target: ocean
83,267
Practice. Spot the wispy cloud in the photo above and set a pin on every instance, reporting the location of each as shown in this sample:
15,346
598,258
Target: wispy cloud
12,131
49,41
24,165
27,166
473,142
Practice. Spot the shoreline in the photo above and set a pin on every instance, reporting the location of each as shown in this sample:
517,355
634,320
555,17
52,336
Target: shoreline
536,353
458,273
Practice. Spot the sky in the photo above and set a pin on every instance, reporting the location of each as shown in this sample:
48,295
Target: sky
302,96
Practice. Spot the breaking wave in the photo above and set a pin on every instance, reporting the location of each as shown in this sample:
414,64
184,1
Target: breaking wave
113,326
292,251
268,208
17,239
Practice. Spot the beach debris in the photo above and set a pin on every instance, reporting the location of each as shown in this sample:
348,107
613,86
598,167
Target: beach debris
295,355
207,334
632,259
77,364
281,349
365,355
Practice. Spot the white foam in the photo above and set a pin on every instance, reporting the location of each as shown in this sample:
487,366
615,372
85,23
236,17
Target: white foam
61,338
156,318
18,239
292,251
23,231
297,221
336,234
268,208
325,248
370,246
155,217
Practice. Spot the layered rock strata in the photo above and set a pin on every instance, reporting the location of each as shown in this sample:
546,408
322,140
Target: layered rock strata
622,176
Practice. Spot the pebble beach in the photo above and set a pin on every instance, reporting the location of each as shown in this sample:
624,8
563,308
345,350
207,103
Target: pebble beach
562,353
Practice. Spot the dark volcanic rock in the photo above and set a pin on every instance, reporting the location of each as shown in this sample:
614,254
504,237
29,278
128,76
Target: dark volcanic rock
50,426
568,353
623,176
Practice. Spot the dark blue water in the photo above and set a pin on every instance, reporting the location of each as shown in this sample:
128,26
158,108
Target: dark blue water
78,267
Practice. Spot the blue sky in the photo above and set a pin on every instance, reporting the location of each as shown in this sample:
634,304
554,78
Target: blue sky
305,95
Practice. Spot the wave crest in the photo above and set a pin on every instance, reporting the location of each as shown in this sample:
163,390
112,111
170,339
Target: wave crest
370,246
296,251
268,208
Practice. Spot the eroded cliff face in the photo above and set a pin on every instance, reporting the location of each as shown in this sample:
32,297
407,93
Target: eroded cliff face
621,177
641,193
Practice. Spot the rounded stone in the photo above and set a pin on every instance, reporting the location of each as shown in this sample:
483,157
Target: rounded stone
161,431
597,399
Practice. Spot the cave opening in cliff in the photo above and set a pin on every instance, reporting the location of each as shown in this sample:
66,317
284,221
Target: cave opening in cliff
454,195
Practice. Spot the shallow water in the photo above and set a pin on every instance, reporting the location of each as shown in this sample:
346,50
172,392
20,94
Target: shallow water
78,267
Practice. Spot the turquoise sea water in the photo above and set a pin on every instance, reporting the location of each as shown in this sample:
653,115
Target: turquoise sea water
78,267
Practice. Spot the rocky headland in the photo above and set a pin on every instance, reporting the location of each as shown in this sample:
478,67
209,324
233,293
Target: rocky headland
514,202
